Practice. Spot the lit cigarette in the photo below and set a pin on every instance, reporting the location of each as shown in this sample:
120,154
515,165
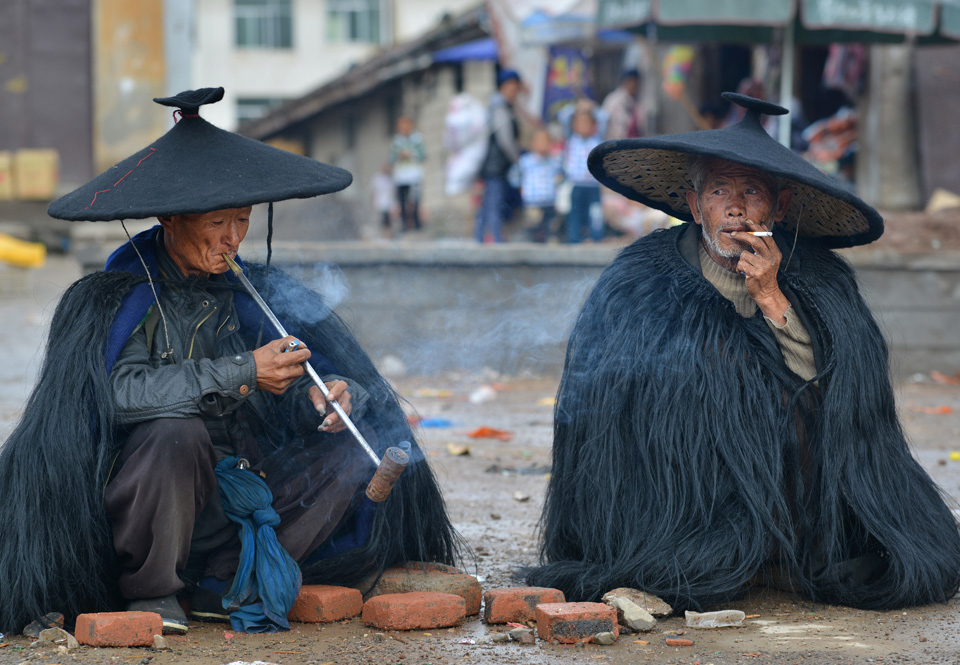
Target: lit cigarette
762,234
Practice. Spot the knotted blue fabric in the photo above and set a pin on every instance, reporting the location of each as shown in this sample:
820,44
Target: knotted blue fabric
268,579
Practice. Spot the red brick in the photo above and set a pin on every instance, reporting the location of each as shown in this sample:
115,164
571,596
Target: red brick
118,629
678,642
572,622
415,610
517,605
433,577
322,603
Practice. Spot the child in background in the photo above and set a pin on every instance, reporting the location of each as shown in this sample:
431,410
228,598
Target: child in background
585,209
539,173
407,155
383,198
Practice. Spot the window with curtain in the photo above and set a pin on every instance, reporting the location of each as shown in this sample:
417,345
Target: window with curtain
354,21
263,23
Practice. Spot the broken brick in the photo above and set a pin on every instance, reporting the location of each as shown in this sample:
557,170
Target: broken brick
432,577
118,629
322,603
518,604
572,622
415,610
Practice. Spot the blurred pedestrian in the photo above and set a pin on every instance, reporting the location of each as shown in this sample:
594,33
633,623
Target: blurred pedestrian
623,109
540,173
407,155
384,198
585,209
503,151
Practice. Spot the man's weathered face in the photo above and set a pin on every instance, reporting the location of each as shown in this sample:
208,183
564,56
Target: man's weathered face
731,195
196,242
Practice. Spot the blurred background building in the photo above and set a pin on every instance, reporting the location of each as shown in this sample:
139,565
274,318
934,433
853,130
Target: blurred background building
870,82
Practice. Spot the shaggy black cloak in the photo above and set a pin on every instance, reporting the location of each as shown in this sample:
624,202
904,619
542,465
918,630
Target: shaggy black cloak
56,552
676,459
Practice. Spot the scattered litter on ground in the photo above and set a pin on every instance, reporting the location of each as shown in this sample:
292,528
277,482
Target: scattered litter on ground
490,433
457,449
521,497
955,455
483,394
945,379
547,401
678,642
718,619
434,423
933,410
160,643
532,470
432,392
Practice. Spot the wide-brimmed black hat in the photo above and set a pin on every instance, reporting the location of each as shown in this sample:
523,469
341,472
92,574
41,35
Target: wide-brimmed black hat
195,168
653,171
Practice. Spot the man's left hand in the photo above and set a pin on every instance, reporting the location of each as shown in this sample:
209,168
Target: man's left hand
759,263
339,394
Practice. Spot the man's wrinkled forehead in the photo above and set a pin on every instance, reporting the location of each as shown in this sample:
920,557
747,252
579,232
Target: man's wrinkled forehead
719,169
215,214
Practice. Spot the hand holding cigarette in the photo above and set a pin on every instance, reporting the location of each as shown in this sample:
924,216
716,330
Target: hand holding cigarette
759,267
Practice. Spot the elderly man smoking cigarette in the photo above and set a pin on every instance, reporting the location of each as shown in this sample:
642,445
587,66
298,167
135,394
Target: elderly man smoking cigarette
725,416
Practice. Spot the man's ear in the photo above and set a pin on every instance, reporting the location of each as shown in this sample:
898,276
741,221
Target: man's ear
783,203
694,206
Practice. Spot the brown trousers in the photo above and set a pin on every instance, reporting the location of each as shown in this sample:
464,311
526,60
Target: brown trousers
163,501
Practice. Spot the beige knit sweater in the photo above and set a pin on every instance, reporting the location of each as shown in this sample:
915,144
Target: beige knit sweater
793,338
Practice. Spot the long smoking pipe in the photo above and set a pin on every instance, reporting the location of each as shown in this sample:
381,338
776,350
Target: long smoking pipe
394,459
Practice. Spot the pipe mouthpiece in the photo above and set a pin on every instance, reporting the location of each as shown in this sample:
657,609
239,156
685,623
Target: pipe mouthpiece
234,266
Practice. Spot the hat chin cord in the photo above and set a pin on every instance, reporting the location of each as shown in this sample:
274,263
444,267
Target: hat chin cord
163,319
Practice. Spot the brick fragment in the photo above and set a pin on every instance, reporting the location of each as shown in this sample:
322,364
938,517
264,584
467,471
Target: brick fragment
433,577
323,603
118,629
678,642
518,604
572,622
414,611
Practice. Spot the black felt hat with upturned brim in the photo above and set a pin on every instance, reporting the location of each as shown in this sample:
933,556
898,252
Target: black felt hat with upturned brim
195,168
653,171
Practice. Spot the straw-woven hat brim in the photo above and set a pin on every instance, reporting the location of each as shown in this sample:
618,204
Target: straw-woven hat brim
653,171
197,167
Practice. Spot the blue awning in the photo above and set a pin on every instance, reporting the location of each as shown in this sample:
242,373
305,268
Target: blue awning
481,49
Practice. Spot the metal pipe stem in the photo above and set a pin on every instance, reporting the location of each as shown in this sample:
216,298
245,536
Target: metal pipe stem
312,373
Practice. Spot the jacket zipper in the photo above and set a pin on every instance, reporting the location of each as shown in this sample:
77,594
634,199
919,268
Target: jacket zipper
195,330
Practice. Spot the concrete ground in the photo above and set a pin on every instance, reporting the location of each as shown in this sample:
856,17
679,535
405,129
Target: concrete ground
494,494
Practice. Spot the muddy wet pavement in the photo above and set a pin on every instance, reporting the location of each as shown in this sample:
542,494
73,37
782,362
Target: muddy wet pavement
494,489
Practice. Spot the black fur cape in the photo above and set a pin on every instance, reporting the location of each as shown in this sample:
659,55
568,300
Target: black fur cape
676,455
56,551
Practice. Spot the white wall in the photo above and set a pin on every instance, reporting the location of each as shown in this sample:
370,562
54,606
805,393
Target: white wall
265,73
294,72
412,18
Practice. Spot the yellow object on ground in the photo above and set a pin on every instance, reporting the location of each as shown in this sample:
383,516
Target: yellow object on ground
21,253
955,455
